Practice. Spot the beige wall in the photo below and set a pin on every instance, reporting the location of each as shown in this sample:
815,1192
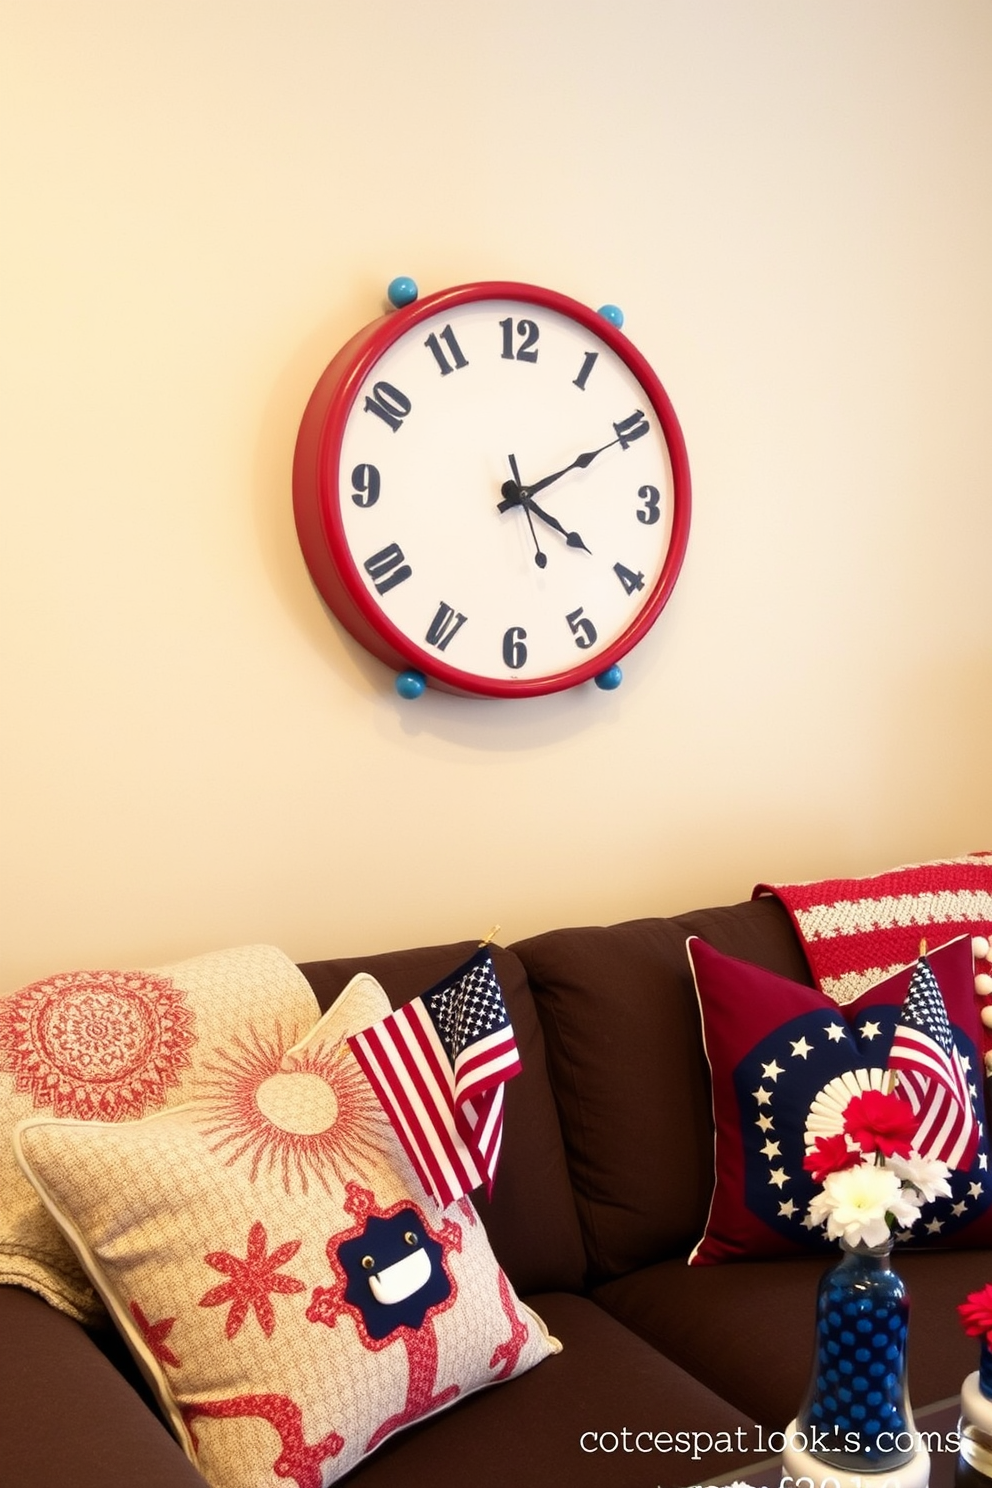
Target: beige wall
791,199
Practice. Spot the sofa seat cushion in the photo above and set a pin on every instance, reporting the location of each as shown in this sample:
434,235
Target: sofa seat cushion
746,1330
68,1416
625,1053
530,1432
526,1433
531,1219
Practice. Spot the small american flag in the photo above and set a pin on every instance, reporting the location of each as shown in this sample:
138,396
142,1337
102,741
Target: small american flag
438,1065
932,1076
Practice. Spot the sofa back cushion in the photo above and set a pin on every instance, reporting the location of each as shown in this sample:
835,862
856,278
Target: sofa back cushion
625,1053
531,1219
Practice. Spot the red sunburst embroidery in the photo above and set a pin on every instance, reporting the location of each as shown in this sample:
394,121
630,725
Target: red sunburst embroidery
337,1129
97,1045
253,1280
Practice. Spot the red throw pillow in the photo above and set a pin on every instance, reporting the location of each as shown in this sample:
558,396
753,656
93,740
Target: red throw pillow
774,1048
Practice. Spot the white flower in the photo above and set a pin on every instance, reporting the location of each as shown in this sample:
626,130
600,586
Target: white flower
928,1175
906,1208
855,1201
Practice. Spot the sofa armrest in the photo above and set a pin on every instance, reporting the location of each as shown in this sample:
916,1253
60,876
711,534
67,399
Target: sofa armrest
68,1416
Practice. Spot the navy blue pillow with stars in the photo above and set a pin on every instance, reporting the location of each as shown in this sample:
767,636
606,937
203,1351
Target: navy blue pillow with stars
785,1060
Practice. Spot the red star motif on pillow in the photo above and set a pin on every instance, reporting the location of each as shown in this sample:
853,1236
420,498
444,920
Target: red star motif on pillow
155,1335
252,1281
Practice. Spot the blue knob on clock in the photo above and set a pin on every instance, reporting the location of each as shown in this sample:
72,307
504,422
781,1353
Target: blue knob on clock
402,291
410,684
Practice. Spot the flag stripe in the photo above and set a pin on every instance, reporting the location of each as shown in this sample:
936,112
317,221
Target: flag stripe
492,1066
928,1063
404,1106
490,1129
925,1061
476,1119
944,1130
439,1084
446,1108
408,1081
425,1063
367,1059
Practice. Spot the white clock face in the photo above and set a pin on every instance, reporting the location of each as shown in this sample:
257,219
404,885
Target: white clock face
505,496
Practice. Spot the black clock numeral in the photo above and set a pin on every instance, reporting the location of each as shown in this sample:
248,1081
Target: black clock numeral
387,568
365,479
444,626
651,497
527,350
588,362
433,344
631,428
389,404
514,650
631,581
582,628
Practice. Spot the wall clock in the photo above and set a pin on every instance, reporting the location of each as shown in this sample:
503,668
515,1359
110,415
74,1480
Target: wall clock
491,490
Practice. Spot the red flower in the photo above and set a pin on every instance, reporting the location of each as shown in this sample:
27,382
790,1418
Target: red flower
881,1123
976,1313
830,1155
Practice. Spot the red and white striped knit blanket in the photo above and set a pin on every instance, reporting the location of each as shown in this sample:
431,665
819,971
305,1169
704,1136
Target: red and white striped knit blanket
856,931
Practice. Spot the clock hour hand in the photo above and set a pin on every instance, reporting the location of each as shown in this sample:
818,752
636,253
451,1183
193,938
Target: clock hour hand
516,495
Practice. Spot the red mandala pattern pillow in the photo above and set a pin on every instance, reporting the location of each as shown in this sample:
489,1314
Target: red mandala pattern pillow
115,1046
290,1291
783,1059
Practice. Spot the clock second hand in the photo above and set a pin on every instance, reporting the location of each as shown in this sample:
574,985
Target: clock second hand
540,558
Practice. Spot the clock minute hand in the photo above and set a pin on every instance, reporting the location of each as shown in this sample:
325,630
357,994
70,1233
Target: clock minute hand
579,463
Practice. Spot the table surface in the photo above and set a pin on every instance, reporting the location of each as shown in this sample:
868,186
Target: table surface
939,1421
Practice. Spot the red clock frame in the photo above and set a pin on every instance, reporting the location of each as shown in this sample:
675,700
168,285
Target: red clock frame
317,512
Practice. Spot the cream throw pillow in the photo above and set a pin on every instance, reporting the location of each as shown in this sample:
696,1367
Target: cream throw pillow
113,1046
290,1291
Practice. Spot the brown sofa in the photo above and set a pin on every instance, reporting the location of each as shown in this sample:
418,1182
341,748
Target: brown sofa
669,1374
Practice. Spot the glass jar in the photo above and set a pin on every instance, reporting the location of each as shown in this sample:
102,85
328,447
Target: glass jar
856,1415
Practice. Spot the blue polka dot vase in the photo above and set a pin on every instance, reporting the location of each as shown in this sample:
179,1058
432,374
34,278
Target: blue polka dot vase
976,1420
857,1415
985,1370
